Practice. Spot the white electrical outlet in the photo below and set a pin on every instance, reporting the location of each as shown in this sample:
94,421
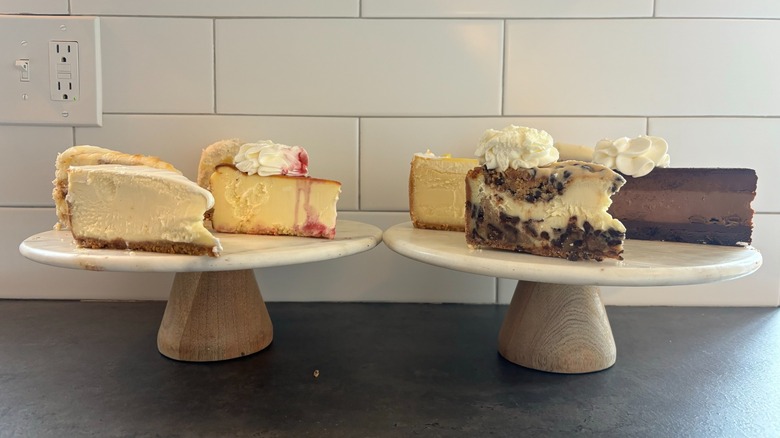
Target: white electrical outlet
64,70
50,71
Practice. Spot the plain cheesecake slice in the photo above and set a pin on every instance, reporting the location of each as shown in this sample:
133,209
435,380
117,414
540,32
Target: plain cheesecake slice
275,204
437,192
138,208
85,155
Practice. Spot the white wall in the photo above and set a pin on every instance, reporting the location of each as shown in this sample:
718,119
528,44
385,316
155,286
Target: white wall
365,84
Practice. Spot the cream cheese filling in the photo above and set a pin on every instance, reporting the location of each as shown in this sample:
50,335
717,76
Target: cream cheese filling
587,199
255,203
439,189
137,204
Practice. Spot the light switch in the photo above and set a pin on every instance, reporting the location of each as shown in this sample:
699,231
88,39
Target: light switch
24,66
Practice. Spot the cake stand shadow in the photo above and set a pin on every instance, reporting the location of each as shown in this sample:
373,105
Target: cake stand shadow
215,310
556,321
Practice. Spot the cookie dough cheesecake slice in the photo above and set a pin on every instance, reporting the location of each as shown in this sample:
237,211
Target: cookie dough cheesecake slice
522,199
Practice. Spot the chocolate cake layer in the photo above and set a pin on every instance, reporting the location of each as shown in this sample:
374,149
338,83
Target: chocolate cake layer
696,205
710,234
696,178
664,206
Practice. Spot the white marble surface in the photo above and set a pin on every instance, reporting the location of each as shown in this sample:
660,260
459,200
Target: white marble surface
645,263
240,251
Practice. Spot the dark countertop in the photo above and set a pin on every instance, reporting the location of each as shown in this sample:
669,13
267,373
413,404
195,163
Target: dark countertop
71,369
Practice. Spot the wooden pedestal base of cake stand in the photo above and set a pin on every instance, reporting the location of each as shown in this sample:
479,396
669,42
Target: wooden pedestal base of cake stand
214,316
558,328
556,321
215,310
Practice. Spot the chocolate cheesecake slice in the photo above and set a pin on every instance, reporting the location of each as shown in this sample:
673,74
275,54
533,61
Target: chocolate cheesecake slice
693,205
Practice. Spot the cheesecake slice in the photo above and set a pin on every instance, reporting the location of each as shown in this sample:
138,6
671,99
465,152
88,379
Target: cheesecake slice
92,155
437,191
274,204
557,210
264,188
138,208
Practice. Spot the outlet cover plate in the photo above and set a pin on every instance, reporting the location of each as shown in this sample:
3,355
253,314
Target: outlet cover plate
29,102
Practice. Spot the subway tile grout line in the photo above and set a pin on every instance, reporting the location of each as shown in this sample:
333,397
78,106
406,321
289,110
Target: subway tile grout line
503,68
359,165
655,5
398,18
214,63
536,116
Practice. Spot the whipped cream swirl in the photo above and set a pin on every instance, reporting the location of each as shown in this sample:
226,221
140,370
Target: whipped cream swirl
632,156
268,158
516,147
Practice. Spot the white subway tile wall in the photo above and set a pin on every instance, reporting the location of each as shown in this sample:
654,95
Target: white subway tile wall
27,181
718,8
363,85
642,67
216,8
157,65
38,7
351,67
507,8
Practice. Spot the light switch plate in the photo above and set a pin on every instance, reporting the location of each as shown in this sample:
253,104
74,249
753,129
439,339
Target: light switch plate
26,96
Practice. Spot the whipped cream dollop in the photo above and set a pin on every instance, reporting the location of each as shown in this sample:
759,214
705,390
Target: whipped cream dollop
632,156
268,158
516,147
427,154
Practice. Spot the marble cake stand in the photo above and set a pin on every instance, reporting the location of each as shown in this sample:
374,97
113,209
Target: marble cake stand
215,310
556,321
